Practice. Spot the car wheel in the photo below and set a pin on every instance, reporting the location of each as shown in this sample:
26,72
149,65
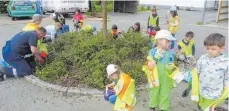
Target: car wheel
65,15
13,18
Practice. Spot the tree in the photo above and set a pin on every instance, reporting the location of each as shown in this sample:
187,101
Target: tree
104,6
90,6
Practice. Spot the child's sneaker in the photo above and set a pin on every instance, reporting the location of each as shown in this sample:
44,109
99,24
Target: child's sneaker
152,109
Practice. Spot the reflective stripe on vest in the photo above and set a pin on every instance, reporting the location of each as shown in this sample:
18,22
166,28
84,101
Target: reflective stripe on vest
173,29
126,83
153,20
186,49
125,90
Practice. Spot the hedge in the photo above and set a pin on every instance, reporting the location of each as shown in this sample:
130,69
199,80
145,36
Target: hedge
80,59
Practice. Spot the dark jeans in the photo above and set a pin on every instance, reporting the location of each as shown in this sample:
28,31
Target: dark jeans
18,67
172,43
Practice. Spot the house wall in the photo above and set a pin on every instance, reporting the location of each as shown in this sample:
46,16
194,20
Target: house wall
185,3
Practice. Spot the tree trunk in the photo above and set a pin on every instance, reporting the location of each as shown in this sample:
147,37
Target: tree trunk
104,5
90,6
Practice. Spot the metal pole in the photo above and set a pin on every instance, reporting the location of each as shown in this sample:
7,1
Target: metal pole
204,10
113,5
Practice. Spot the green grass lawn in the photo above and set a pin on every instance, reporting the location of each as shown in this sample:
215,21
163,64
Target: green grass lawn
142,9
99,8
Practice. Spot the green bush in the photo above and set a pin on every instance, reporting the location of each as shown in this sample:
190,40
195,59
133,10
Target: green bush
83,58
3,7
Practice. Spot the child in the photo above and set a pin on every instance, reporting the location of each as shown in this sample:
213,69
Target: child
210,81
114,31
124,89
159,58
173,23
135,28
153,19
78,19
186,46
156,29
88,29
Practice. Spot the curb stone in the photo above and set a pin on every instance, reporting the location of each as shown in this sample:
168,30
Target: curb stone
73,90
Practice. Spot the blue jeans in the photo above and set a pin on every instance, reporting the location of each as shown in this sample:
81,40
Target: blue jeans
18,67
172,43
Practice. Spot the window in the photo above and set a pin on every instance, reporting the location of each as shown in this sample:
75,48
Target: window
23,3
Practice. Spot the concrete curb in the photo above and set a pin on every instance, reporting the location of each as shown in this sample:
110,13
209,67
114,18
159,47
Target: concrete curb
209,26
46,85
72,90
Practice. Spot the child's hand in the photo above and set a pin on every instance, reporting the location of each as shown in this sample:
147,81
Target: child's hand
167,22
109,85
151,64
180,52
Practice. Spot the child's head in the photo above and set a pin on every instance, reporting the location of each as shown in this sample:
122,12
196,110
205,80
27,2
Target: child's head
77,11
173,11
36,19
163,39
154,10
157,28
113,71
114,27
215,44
189,36
137,26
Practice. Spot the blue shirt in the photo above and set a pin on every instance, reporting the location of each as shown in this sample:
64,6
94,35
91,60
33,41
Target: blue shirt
167,57
19,45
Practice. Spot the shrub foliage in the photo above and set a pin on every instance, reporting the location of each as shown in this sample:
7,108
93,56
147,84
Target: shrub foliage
81,59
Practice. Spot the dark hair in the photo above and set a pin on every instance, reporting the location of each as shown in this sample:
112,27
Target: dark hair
154,8
174,13
114,27
215,39
189,34
77,10
157,28
139,26
42,29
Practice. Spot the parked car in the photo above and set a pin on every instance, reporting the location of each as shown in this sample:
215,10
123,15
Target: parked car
65,6
20,8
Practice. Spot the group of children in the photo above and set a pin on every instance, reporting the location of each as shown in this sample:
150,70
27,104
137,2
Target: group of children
209,82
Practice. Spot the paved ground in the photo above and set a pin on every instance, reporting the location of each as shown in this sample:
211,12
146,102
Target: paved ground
20,95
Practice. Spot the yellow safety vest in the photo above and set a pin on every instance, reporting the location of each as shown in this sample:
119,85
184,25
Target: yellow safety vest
40,45
126,95
186,49
195,92
87,28
153,20
173,29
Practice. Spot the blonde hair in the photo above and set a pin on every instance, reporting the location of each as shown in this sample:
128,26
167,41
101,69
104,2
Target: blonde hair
36,18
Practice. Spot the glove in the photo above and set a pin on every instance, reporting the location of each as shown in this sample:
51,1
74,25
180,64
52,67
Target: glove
43,55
